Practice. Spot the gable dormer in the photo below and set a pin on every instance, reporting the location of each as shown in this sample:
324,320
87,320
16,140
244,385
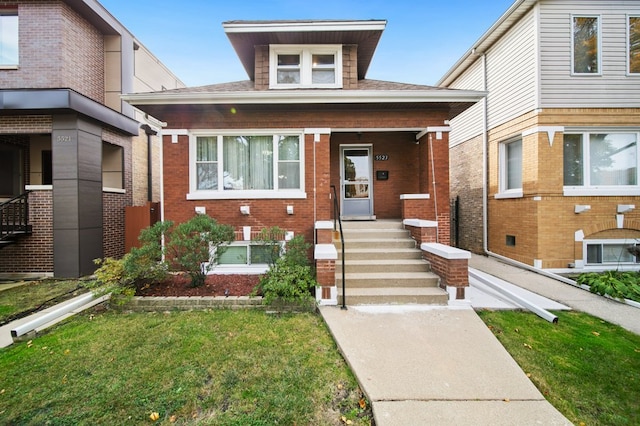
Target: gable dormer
281,55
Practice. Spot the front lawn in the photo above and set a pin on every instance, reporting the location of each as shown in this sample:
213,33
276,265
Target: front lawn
219,367
587,368
38,294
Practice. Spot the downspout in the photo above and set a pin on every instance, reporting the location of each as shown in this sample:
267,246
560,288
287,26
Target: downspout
150,132
485,157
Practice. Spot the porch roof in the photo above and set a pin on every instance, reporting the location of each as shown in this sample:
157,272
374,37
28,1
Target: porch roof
369,92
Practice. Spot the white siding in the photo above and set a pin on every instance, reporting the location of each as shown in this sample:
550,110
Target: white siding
613,88
511,73
470,123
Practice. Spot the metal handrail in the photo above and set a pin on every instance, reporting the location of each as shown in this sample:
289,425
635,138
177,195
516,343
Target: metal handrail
14,215
336,217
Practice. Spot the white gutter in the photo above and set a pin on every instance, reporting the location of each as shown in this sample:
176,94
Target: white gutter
302,26
304,97
542,313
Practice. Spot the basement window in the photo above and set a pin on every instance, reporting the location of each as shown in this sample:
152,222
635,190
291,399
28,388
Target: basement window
612,252
510,240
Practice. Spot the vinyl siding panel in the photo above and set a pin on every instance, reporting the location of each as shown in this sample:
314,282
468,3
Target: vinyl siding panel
511,73
470,123
613,87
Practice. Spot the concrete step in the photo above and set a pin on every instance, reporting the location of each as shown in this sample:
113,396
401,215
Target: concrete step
384,265
379,253
350,234
373,224
388,279
394,295
382,243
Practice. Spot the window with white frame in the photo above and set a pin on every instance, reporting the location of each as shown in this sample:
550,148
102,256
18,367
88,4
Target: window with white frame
600,161
305,66
245,165
9,39
634,44
247,253
511,167
602,252
586,45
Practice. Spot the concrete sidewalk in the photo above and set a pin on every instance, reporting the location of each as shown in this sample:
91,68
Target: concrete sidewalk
581,300
422,365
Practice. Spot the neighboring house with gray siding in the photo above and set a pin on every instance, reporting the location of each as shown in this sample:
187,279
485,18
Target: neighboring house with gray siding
73,155
546,168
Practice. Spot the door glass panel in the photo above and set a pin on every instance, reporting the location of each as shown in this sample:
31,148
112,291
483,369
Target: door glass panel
356,165
359,190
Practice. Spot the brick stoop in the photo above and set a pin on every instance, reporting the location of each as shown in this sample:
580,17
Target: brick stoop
384,266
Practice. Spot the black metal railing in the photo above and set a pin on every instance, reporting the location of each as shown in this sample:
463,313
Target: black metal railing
14,217
338,221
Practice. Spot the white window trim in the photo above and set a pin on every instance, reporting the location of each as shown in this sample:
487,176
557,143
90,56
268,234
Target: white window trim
602,190
595,74
627,241
628,25
239,268
502,172
305,51
196,194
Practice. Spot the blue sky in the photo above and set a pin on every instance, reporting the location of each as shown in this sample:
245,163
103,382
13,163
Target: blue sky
421,42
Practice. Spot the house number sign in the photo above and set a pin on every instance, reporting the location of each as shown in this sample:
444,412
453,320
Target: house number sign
381,157
63,138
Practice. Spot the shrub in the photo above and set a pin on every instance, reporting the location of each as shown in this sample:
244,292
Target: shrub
290,279
187,249
616,284
190,244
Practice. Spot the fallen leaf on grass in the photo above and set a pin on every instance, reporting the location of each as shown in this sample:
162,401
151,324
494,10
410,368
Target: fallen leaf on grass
154,416
526,345
362,403
595,333
173,418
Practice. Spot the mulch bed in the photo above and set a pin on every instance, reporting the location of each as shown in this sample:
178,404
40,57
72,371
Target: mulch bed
215,285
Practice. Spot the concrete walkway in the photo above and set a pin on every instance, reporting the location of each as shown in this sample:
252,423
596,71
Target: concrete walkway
435,366
578,299
443,366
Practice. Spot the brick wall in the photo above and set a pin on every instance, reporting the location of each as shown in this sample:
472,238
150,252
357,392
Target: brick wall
58,48
33,253
262,68
349,66
113,203
399,147
406,159
466,183
543,221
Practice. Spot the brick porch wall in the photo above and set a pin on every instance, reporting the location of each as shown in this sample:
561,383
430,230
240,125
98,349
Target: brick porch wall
33,253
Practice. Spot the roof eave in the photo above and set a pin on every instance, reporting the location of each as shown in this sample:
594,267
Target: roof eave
304,97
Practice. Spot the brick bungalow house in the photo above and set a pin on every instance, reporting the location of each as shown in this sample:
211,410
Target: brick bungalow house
72,154
547,165
271,150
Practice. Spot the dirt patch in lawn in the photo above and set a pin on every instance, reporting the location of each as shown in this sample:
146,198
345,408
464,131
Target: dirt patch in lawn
215,285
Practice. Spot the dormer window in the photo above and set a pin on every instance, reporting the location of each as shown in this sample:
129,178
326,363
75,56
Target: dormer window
305,66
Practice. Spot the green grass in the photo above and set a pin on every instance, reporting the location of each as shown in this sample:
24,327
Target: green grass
219,367
587,368
33,294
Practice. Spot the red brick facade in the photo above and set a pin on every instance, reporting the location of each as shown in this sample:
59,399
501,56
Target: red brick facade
408,163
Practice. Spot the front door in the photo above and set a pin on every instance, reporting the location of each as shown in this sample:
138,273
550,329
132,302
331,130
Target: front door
356,183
